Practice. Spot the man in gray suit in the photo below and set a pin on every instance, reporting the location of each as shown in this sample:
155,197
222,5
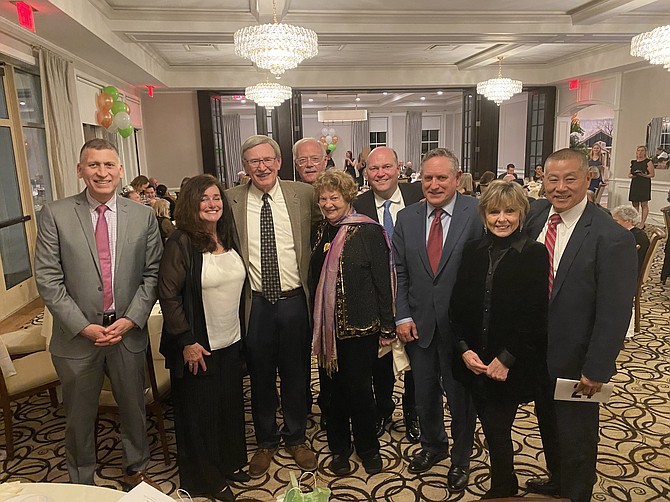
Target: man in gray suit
594,279
96,267
274,220
428,241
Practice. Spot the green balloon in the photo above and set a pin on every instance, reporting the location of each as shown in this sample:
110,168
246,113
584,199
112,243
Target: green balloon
332,147
112,91
126,132
119,106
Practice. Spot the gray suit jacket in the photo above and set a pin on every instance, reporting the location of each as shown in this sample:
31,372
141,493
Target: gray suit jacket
422,295
303,213
67,271
592,296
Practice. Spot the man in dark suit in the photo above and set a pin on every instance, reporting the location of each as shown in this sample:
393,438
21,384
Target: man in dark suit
382,203
96,267
310,159
273,220
428,241
593,272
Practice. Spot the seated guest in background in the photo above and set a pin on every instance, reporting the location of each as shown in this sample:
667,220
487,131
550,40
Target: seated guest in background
538,175
465,185
509,172
330,163
149,195
309,156
162,211
200,286
352,277
383,203
163,193
628,218
502,348
484,181
408,169
140,183
129,193
153,182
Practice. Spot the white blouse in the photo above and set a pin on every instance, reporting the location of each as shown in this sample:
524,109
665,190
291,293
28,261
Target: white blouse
222,282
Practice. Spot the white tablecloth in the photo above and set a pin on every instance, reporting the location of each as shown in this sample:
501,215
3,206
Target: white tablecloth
62,492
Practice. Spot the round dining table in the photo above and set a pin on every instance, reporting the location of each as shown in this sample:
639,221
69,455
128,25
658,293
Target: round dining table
67,492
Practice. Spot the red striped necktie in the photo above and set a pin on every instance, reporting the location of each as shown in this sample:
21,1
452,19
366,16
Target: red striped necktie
105,256
550,242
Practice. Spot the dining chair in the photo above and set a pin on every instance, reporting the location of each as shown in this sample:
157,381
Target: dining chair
33,338
657,235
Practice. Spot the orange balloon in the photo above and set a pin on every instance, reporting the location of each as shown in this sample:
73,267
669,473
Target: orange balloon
104,101
336,139
104,118
322,139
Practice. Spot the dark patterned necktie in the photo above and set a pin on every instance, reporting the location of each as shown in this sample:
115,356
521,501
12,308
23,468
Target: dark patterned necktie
388,219
269,263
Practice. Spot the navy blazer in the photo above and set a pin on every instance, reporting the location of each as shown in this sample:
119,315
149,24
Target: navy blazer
592,297
423,295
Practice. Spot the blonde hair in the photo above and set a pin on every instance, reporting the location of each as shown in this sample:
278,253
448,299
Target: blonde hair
161,208
503,194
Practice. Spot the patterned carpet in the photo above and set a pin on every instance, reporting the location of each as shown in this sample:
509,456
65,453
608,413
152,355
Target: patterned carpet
634,456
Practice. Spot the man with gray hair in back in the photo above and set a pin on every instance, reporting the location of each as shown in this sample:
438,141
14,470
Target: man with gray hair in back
310,159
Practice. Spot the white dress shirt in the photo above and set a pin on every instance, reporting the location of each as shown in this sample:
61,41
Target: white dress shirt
397,204
289,275
111,216
564,229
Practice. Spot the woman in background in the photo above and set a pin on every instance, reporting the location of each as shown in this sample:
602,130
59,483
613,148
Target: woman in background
641,173
350,165
465,185
200,288
165,225
484,181
129,193
596,167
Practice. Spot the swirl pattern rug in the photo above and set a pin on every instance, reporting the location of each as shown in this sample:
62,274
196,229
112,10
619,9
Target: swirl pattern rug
633,460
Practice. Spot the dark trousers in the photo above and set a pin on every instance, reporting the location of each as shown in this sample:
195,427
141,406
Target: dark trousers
432,373
352,398
383,380
325,391
570,433
278,343
497,418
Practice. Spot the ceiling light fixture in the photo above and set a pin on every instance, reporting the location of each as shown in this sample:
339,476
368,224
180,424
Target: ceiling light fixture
654,46
275,46
499,89
268,94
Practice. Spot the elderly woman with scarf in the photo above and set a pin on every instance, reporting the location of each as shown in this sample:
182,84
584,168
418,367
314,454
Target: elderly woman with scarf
353,283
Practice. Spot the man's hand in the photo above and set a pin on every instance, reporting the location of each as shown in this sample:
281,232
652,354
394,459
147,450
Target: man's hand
497,370
193,357
473,362
588,387
113,333
93,332
407,332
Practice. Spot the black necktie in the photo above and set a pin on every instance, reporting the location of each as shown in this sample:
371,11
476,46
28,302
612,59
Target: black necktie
269,263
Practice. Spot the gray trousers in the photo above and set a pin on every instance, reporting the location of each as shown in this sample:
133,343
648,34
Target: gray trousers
82,381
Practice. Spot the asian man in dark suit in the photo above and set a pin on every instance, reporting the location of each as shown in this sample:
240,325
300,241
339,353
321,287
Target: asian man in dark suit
428,241
96,267
593,271
382,203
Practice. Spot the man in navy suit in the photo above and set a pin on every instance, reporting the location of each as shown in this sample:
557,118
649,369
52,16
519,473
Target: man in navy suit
594,280
382,203
428,241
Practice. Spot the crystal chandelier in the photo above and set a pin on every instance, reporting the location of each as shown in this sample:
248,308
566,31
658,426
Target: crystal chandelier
499,89
268,94
275,46
654,46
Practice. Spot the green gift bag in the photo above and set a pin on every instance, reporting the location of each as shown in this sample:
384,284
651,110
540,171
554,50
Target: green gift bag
294,492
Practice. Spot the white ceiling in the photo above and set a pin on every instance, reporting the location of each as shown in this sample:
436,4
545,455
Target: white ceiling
363,44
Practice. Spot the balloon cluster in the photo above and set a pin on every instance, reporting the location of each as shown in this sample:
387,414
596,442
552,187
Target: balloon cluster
113,114
329,139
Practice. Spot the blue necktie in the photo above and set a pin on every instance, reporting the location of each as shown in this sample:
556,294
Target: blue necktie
388,221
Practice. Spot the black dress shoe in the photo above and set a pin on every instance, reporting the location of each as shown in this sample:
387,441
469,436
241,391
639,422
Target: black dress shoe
373,464
340,465
499,495
424,460
239,476
381,425
543,486
412,429
226,495
457,478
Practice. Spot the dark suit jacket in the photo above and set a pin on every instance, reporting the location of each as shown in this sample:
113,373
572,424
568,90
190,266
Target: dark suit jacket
592,297
365,203
423,295
517,320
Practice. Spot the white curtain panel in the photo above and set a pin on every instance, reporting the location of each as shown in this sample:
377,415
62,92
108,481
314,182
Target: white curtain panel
59,97
413,139
655,128
360,136
232,148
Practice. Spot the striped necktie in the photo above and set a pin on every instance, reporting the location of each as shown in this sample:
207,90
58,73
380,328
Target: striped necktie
550,242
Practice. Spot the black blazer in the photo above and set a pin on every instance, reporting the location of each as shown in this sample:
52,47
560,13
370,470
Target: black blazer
517,322
365,203
592,297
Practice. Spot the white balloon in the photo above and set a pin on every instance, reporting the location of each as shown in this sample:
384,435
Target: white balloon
329,139
121,120
324,131
331,131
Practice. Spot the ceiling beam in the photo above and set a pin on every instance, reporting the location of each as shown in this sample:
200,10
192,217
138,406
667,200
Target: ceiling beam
263,9
597,12
487,56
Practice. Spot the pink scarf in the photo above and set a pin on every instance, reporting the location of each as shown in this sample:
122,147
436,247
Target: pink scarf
323,342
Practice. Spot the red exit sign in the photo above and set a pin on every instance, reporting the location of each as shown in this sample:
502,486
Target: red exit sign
25,13
574,84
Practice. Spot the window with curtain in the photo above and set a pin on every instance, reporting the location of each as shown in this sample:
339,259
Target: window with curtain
665,135
536,105
377,139
429,140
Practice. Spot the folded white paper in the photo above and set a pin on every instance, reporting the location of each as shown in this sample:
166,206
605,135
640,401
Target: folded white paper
145,493
565,391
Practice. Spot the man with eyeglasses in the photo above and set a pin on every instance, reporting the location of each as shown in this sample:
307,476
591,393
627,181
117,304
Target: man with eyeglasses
274,220
382,204
310,159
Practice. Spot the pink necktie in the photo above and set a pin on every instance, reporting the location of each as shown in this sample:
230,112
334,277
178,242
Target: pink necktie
550,242
105,256
434,246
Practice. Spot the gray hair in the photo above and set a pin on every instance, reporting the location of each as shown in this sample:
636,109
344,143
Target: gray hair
442,152
626,213
302,141
259,139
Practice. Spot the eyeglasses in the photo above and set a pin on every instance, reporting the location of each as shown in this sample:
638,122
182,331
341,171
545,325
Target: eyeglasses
267,161
215,198
302,161
385,167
